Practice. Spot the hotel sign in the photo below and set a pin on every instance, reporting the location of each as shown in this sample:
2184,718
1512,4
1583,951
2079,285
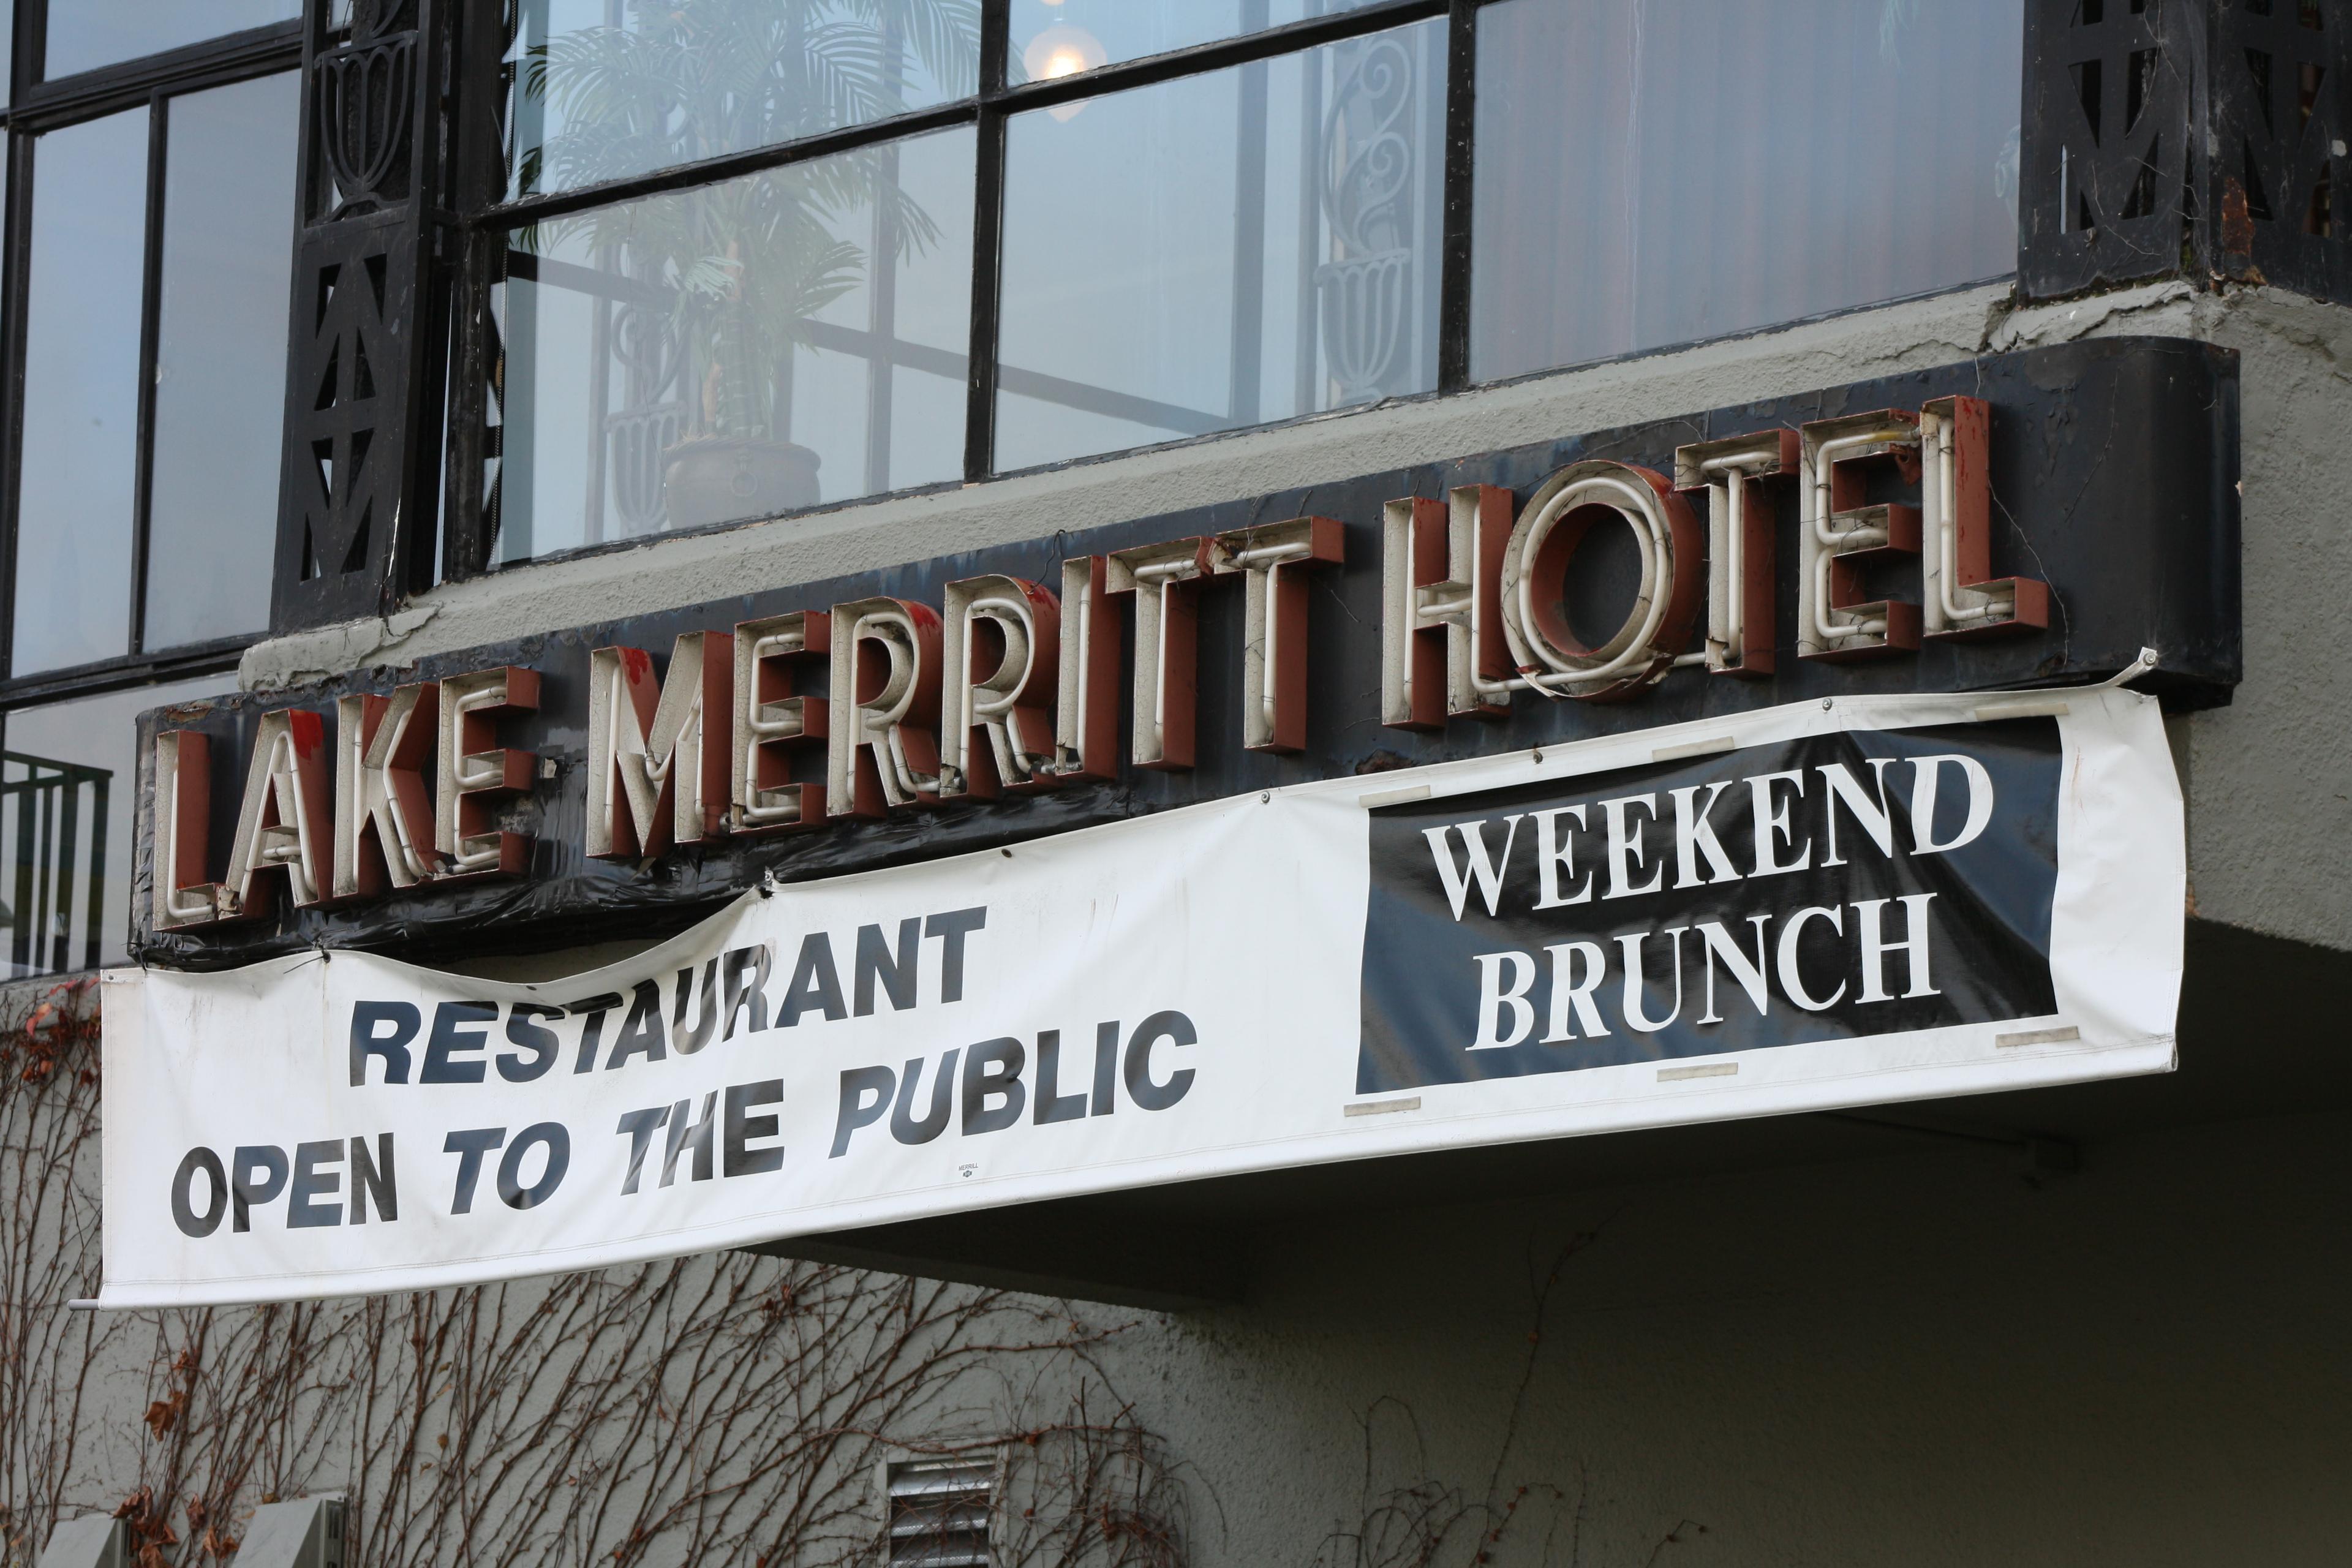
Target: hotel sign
2027,519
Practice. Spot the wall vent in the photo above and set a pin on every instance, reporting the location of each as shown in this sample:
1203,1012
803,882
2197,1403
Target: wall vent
938,1513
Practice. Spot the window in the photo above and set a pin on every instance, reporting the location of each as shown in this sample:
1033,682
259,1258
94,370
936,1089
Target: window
755,255
602,89
149,214
735,350
938,1512
1222,249
79,473
220,360
1737,165
149,434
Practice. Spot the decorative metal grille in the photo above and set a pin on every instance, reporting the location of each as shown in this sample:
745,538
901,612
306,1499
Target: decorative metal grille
364,97
2279,77
362,376
2197,137
2108,179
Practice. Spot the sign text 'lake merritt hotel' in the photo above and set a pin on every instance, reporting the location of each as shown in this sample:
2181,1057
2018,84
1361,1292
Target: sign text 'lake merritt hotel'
1013,685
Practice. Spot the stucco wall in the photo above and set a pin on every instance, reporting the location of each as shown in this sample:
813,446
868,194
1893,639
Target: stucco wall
1919,1360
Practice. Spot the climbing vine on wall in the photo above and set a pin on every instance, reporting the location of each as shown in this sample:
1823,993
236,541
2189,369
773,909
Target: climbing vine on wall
724,1408
48,1255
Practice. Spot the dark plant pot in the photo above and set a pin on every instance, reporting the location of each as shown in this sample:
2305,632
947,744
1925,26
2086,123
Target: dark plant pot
717,478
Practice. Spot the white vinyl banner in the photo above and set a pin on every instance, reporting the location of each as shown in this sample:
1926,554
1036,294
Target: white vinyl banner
1827,905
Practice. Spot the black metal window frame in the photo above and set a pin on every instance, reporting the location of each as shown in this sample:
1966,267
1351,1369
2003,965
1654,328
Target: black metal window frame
37,107
53,863
467,541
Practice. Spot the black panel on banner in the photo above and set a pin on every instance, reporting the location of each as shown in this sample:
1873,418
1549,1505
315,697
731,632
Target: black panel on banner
1866,882
2113,469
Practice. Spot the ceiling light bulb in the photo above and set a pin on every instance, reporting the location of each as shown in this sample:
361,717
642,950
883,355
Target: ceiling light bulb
1062,50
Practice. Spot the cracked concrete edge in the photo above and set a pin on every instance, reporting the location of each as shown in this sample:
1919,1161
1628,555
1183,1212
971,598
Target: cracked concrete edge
332,650
668,572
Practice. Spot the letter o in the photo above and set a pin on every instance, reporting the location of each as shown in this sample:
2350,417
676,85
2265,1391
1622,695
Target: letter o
184,1213
1665,608
511,1192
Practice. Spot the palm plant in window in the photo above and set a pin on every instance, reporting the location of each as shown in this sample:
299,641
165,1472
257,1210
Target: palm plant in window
716,284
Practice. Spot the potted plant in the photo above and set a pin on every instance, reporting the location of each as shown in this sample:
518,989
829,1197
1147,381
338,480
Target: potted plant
738,267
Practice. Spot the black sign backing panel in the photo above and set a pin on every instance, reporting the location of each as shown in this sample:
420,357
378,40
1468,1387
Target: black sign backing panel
2112,472
1682,894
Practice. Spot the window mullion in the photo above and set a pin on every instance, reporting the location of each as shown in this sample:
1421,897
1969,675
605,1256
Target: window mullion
150,330
12,279
30,57
1461,148
474,349
987,241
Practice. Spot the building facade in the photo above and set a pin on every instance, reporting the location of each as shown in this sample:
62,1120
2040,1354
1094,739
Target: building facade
384,346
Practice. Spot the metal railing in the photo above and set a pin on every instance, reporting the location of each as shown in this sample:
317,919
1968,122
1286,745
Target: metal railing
52,823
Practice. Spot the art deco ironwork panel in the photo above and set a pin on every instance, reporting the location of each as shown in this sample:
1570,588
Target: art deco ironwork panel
357,496
2281,163
2204,138
1369,198
2109,173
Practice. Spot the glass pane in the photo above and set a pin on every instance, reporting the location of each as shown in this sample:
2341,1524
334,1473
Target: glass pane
1054,39
220,370
1222,249
86,34
607,89
739,349
82,383
70,768
1656,171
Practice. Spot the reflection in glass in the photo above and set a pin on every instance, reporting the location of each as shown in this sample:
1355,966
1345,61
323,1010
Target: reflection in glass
607,89
220,370
1222,249
1656,171
82,383
86,34
1053,38
739,349
67,789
